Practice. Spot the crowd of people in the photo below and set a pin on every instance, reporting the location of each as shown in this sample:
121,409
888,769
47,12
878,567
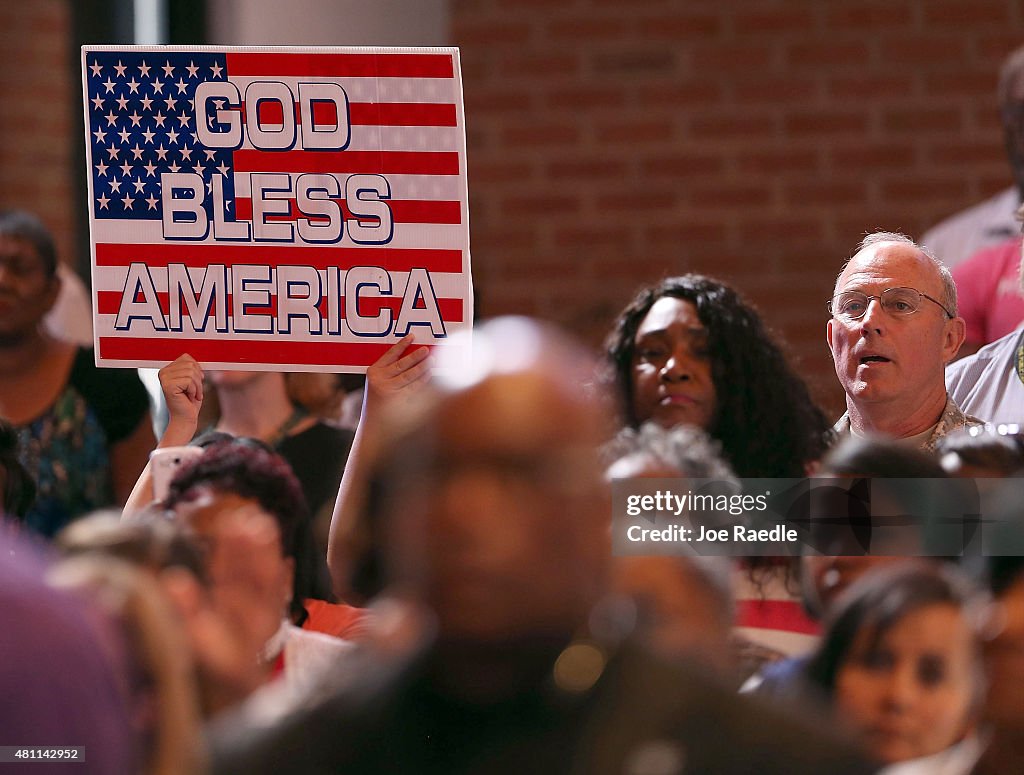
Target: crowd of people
436,591
463,611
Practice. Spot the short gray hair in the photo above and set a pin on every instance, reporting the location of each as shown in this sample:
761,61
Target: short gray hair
683,448
878,237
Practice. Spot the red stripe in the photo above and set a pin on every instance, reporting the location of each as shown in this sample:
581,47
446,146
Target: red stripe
108,302
244,351
402,211
401,114
381,162
342,65
194,255
785,615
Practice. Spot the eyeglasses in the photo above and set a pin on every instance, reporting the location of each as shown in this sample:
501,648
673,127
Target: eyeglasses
898,302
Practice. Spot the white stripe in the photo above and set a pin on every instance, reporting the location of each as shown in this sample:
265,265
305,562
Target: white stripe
407,235
393,138
105,327
442,188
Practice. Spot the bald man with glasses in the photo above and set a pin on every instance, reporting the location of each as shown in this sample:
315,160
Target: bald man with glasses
893,328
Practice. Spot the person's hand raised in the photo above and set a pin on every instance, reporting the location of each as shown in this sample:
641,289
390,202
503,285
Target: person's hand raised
182,384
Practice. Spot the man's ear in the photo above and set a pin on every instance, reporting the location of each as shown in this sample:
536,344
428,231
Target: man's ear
828,336
953,337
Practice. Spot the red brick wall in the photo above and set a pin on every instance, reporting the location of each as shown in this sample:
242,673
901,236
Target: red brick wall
615,141
35,115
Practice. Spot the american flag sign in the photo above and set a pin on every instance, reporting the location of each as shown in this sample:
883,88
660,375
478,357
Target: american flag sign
266,208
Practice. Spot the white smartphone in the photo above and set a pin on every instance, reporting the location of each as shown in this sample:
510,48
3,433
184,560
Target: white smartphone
164,463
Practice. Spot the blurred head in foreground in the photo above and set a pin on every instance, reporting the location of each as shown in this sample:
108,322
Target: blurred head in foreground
684,605
243,481
490,493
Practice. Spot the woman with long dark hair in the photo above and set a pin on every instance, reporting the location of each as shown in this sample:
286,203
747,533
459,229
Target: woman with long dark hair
691,350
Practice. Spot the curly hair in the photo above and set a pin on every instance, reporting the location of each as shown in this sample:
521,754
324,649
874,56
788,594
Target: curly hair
765,420
247,470
250,469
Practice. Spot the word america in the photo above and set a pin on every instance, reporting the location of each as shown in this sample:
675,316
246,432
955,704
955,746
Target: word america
300,292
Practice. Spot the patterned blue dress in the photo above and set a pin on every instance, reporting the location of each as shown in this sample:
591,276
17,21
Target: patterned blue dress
67,448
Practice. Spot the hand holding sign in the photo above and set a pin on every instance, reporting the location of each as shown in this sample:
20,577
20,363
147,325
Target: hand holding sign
396,374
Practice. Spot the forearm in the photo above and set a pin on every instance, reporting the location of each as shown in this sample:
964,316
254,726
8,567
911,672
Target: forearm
348,506
179,432
393,377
